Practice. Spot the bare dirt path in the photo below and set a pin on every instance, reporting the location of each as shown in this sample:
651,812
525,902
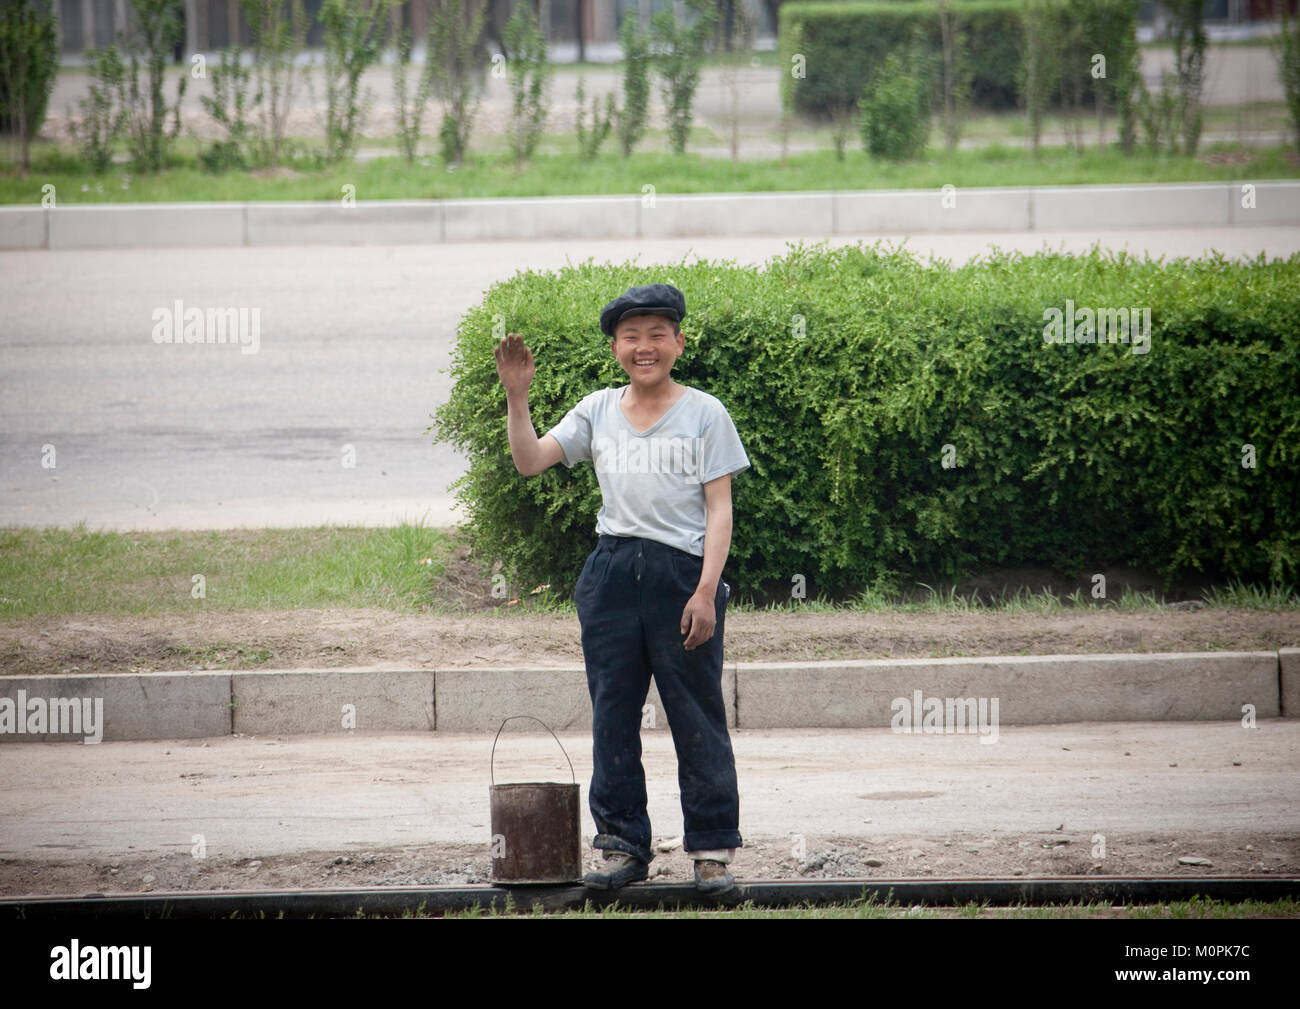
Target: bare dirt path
412,808
382,638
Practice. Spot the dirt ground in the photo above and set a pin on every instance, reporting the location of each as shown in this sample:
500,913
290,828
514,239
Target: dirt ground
464,625
387,809
951,856
382,638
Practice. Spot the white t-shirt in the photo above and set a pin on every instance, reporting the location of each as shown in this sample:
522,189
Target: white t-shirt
651,482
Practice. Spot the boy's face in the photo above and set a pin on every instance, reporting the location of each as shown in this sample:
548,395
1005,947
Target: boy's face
647,346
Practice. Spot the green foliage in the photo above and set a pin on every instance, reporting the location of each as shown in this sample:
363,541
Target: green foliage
1286,50
354,34
895,113
1158,114
102,118
993,53
1187,28
228,104
1074,455
591,137
410,110
956,77
1112,31
158,29
452,60
678,49
1035,76
1076,51
529,72
843,45
29,63
734,44
631,118
279,30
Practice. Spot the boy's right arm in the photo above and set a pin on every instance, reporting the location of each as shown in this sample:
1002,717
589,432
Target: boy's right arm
515,368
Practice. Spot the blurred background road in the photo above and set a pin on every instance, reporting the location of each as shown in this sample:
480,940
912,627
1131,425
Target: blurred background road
354,347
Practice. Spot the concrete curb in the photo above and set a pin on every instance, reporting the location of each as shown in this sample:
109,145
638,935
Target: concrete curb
910,695
866,212
116,708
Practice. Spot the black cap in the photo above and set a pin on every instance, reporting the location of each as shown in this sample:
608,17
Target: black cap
649,299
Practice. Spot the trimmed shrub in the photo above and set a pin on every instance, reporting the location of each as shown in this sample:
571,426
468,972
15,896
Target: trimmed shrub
844,45
895,114
854,373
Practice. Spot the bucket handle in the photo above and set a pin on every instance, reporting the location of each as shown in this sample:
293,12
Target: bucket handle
492,763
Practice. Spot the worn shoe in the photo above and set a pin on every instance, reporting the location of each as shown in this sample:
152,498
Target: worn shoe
713,877
619,869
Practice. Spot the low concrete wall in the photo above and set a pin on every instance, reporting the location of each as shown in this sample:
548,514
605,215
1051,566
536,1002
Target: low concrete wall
372,222
1031,690
1094,208
478,700
371,700
652,215
133,706
23,228
145,225
1028,690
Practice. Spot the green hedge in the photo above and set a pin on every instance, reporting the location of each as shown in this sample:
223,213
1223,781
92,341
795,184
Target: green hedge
844,43
1077,456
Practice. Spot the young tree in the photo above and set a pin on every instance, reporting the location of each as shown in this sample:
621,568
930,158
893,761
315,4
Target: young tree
529,71
279,31
631,118
1188,29
1035,84
1286,50
102,118
410,111
452,60
158,26
1123,65
679,49
354,34
228,105
29,63
737,44
590,138
956,73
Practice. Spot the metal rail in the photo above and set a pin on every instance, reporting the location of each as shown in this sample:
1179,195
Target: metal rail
398,900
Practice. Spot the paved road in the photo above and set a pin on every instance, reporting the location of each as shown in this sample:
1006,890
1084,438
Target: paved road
353,346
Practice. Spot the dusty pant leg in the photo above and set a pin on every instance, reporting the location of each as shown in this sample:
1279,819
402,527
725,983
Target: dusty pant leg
618,679
690,686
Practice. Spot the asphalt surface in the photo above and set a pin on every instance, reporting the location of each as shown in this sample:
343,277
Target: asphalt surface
353,350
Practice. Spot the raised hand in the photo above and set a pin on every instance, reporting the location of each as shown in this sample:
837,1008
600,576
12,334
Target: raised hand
515,365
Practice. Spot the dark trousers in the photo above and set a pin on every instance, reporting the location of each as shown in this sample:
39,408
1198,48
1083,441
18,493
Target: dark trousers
630,598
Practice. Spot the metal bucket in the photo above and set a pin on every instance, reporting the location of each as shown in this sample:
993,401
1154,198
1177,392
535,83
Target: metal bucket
536,831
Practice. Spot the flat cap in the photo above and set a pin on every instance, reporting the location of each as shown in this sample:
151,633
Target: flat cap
649,299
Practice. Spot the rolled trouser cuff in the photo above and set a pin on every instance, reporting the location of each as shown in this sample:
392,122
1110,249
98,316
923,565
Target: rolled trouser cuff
723,855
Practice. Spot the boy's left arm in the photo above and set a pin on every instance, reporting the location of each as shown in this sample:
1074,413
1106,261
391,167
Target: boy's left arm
700,616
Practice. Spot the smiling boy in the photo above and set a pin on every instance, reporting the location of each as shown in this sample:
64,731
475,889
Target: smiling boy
650,598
